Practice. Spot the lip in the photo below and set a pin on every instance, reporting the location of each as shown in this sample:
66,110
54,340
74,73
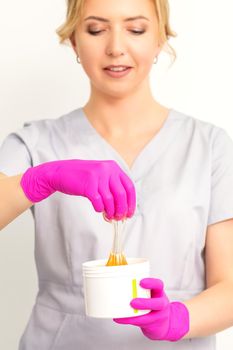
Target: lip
116,66
118,74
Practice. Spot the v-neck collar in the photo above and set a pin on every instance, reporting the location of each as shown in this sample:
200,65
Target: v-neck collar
147,156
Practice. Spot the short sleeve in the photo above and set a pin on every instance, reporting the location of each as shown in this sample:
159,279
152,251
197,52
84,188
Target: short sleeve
221,197
14,156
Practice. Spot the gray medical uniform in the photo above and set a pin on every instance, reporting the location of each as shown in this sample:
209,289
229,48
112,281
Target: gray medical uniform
184,182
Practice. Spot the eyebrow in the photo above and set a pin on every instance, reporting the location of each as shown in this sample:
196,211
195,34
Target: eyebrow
125,20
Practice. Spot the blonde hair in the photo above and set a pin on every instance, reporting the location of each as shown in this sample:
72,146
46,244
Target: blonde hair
75,13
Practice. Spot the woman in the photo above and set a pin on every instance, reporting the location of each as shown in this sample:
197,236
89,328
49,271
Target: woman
124,155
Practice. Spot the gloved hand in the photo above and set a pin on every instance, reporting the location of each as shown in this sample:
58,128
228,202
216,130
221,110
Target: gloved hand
166,321
103,182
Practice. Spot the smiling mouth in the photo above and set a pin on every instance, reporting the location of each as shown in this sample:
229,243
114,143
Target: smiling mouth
117,74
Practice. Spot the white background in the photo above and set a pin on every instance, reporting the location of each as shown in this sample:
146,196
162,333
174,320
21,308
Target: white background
40,79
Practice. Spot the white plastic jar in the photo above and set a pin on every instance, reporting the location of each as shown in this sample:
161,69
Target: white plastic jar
108,290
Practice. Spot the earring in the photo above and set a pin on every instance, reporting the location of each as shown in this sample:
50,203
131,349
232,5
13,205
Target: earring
156,60
77,58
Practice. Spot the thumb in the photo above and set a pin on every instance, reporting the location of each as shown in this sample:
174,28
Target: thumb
97,202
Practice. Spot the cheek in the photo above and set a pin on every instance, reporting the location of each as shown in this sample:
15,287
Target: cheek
145,57
144,54
144,60
89,60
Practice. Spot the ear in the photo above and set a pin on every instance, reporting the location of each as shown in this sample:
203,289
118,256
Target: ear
159,49
72,40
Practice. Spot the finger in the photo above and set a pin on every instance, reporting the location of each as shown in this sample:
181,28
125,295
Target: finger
120,197
97,202
144,320
105,218
130,192
155,284
91,192
107,197
149,303
137,320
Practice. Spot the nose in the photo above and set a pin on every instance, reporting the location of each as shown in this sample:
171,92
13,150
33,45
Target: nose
116,43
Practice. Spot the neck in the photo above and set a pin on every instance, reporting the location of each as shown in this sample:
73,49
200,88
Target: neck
118,116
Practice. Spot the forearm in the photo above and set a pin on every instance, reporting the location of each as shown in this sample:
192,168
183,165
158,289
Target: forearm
13,201
211,311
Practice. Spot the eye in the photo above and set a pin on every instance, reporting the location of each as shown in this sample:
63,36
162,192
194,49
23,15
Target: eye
94,33
136,32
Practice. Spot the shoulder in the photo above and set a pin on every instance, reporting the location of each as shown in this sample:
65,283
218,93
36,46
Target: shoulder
37,130
63,121
197,127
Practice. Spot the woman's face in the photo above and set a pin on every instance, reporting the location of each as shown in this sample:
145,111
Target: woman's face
117,43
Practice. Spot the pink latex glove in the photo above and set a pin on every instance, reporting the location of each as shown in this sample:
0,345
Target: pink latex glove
103,182
166,321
